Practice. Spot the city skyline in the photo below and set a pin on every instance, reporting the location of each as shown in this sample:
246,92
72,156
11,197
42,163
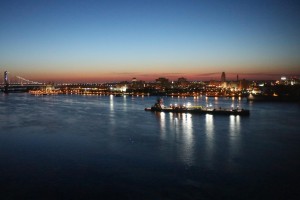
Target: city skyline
95,41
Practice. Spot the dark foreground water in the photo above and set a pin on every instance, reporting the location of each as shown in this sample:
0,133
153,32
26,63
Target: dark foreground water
104,147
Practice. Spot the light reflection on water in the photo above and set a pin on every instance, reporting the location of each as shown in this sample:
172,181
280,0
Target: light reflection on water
234,125
179,127
162,118
111,103
184,132
234,136
209,138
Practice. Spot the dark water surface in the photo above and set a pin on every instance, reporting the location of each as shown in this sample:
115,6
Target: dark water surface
105,147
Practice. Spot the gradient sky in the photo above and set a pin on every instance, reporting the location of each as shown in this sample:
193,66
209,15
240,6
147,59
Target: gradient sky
86,41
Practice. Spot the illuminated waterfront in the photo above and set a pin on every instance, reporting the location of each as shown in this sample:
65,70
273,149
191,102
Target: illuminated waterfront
75,146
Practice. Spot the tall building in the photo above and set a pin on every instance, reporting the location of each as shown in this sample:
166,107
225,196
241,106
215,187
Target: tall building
223,77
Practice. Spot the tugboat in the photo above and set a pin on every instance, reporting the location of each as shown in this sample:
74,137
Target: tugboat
159,107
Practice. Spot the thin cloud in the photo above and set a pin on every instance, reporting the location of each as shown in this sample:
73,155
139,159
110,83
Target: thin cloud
209,74
162,74
122,73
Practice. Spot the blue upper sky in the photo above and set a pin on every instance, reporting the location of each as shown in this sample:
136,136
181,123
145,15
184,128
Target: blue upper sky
148,38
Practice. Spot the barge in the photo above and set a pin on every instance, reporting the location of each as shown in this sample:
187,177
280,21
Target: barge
159,107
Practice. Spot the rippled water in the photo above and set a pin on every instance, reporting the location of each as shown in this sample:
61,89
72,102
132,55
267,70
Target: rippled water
87,147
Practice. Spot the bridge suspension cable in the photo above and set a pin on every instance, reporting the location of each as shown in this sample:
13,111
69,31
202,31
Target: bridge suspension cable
28,81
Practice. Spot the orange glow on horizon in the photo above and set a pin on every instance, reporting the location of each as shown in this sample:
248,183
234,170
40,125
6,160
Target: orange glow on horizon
103,75
142,77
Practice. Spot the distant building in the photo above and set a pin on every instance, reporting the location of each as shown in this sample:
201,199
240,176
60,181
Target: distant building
283,80
233,85
135,84
182,82
163,82
214,83
223,77
288,81
224,84
243,84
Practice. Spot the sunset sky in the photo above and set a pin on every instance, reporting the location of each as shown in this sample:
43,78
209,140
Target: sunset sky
94,41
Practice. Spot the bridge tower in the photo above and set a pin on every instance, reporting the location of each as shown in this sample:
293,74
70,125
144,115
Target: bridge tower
6,84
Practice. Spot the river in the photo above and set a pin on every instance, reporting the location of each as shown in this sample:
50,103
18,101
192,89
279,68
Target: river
92,147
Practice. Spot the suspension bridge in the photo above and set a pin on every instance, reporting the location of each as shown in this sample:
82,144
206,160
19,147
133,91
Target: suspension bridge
14,83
